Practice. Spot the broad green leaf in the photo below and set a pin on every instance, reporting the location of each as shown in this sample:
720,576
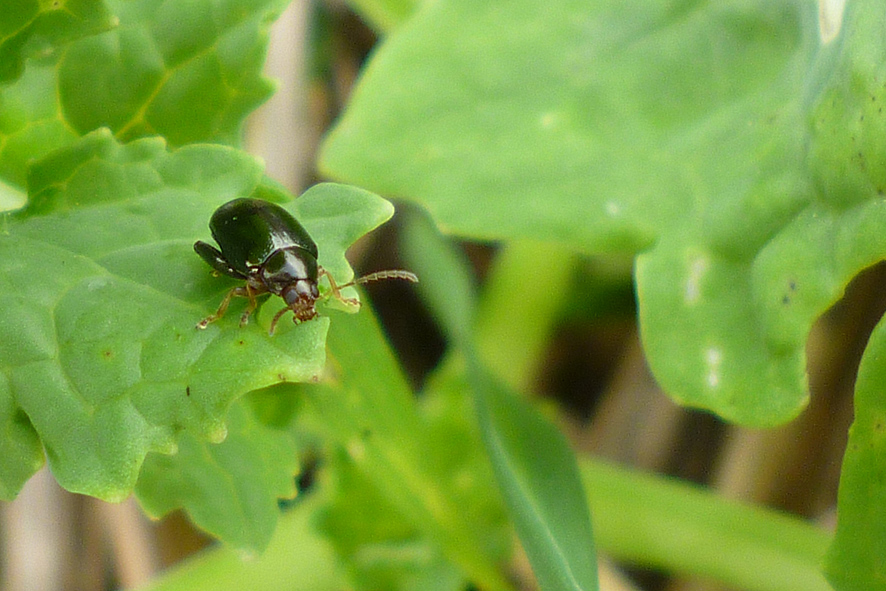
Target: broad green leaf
29,27
724,143
100,353
189,71
229,489
856,560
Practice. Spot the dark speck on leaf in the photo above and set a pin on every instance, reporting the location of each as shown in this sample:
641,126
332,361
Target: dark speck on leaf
241,343
187,390
786,300
108,354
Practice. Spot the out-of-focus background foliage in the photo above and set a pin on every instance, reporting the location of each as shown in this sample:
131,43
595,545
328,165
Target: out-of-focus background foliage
593,365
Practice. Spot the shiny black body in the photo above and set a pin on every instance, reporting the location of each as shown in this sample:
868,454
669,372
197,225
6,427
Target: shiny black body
261,243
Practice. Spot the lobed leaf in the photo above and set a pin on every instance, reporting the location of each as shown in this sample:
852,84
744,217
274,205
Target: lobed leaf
29,27
229,489
100,355
189,71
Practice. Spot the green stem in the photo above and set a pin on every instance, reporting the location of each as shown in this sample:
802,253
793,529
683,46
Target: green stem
520,302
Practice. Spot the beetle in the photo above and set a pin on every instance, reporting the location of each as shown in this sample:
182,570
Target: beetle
263,244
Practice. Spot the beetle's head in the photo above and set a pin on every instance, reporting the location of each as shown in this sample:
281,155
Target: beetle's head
301,296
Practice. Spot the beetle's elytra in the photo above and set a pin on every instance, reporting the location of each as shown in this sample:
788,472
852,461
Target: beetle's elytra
263,244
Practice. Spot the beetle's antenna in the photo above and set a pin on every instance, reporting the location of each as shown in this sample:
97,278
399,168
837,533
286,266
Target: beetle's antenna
379,275
335,289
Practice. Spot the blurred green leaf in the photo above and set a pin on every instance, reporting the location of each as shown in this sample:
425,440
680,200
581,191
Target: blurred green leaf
677,128
538,477
30,27
856,560
298,558
381,548
664,523
425,466
533,464
384,15
446,282
189,71
101,356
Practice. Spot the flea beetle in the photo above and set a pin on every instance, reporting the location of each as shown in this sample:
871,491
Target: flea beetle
262,243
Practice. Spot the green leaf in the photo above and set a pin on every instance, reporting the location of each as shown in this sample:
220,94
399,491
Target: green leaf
30,27
189,71
384,15
681,528
533,464
446,282
298,558
229,489
381,548
856,560
425,467
723,142
538,476
101,354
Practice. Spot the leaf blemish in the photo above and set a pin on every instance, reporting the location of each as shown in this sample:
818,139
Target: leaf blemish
713,359
187,390
697,268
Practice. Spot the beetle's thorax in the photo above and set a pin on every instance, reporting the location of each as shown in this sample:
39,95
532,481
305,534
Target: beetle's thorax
290,267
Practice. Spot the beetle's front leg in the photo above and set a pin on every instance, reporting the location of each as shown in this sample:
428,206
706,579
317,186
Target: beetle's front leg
335,290
242,292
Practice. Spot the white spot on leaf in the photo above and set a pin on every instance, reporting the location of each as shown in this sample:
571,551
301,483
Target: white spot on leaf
697,269
713,359
830,19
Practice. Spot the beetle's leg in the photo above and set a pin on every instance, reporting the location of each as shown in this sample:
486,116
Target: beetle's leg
251,292
335,290
277,317
223,307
